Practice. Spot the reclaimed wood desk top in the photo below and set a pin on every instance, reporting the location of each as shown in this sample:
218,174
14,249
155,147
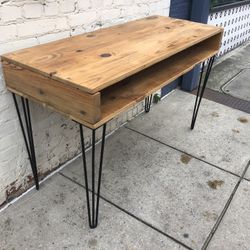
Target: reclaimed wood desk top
96,60
93,77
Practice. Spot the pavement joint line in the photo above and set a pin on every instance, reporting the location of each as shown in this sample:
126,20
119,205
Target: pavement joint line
216,225
184,152
58,169
246,179
130,214
230,80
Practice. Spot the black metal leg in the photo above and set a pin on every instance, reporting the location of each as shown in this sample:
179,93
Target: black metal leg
148,102
93,211
201,89
28,135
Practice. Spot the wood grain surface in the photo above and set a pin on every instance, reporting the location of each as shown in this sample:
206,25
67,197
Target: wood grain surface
128,92
93,77
72,102
96,60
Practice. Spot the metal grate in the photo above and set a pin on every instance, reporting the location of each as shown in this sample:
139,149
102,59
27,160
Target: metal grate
230,101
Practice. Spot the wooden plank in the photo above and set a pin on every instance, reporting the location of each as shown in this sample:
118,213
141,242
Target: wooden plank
71,102
94,61
127,93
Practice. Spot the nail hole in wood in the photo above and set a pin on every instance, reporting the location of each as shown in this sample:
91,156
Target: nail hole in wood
105,55
79,50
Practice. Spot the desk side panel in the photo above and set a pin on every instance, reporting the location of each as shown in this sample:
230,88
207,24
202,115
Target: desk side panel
215,41
72,102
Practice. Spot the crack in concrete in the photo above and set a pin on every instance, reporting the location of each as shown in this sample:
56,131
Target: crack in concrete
213,231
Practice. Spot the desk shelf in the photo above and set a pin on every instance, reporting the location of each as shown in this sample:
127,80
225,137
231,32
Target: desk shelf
123,95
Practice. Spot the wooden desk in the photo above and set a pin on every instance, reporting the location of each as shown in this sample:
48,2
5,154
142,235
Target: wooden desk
93,77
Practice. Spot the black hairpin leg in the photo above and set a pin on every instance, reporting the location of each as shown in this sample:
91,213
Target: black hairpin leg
28,135
201,89
93,206
148,102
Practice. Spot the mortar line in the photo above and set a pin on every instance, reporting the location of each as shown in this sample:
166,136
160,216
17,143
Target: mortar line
216,225
132,215
184,152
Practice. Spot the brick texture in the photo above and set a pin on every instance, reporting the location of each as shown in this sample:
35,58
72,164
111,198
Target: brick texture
28,23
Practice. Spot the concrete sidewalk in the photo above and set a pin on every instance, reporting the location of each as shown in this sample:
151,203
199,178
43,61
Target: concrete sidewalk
164,187
231,73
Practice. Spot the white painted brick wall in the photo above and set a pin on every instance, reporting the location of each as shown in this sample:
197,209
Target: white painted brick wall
32,10
28,23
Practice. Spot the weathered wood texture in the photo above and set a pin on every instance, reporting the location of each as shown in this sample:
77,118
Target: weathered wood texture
147,53
97,60
72,102
128,92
